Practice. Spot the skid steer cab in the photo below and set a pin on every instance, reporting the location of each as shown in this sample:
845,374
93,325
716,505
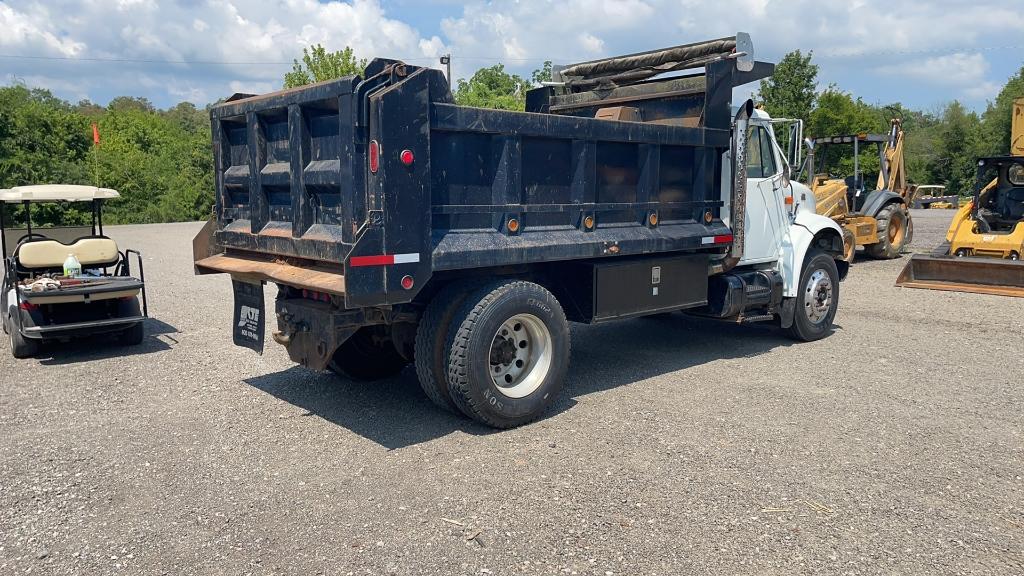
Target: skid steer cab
66,281
985,240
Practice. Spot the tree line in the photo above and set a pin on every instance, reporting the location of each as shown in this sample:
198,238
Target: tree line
940,146
162,163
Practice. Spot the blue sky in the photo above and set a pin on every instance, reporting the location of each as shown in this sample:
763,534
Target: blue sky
922,53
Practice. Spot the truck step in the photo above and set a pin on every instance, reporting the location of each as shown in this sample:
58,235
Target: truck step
756,318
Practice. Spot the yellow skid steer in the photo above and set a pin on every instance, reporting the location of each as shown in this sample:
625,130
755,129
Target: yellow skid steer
985,241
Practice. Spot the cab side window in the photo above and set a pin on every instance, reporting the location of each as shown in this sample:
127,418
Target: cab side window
760,156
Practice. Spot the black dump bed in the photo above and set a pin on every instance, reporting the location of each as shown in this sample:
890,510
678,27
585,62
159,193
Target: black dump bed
351,185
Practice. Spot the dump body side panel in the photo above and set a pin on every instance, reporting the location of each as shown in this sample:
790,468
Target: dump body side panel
476,189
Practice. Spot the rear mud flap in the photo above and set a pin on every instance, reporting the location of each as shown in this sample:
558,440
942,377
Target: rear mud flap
250,317
975,275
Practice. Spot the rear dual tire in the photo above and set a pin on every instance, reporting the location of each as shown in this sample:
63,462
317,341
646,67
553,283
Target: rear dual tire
497,353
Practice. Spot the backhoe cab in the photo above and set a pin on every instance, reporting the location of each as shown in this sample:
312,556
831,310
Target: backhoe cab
876,218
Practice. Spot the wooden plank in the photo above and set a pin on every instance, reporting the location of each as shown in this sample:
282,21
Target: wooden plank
312,278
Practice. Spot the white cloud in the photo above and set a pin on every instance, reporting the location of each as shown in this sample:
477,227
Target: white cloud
590,42
34,31
867,46
234,33
950,70
962,73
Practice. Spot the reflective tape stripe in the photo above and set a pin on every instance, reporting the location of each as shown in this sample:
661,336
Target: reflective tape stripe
406,258
721,239
383,260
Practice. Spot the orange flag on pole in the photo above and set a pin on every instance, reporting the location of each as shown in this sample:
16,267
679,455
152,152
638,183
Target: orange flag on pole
95,134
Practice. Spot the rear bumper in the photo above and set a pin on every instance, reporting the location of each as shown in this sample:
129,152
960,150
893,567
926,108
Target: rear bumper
73,329
254,269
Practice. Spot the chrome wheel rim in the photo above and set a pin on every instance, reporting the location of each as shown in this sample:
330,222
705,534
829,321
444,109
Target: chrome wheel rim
818,296
520,355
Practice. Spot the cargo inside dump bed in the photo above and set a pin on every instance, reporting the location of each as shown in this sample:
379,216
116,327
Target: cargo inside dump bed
365,187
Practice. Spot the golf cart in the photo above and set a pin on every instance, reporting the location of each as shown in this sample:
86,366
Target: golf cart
39,301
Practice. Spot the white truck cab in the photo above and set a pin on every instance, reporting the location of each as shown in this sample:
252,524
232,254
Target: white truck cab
781,224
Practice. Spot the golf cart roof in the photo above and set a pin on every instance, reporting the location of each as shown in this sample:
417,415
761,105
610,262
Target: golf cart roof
56,193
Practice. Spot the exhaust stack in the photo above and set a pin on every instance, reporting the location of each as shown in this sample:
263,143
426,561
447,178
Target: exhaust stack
738,197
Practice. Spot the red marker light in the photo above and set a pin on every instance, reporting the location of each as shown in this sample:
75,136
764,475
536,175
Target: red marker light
406,157
407,282
374,154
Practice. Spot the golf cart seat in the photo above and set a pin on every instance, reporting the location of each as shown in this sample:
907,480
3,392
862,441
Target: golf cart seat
46,254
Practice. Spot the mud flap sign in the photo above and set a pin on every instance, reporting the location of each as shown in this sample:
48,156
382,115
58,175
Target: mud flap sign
250,316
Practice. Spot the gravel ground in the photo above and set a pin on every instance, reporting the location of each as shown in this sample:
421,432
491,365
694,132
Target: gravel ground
680,446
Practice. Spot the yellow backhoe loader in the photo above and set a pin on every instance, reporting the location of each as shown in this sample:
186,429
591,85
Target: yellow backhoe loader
877,219
985,241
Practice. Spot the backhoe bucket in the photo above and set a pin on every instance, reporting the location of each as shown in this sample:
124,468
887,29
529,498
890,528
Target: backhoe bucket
975,275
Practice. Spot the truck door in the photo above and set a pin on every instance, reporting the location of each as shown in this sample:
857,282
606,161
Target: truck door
766,191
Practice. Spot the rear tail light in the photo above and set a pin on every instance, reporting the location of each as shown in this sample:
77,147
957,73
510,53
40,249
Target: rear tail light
407,157
374,154
314,295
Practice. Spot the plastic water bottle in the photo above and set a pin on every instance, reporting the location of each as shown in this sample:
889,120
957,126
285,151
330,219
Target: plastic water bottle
72,267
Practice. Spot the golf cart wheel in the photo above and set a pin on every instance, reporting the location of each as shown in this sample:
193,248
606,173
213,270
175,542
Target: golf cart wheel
1013,256
21,347
893,232
962,253
818,299
133,336
367,355
509,353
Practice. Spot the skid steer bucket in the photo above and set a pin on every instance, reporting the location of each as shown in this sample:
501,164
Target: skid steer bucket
975,275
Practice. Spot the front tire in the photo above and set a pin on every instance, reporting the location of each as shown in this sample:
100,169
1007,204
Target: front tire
367,355
894,232
818,299
509,353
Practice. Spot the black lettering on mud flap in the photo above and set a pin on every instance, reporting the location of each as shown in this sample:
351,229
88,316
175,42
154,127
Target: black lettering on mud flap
250,316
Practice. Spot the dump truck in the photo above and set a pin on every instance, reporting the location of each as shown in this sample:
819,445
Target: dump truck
985,239
877,219
400,227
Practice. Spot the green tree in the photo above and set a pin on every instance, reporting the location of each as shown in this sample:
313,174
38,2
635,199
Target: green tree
997,117
791,91
319,65
493,88
543,74
957,147
840,114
